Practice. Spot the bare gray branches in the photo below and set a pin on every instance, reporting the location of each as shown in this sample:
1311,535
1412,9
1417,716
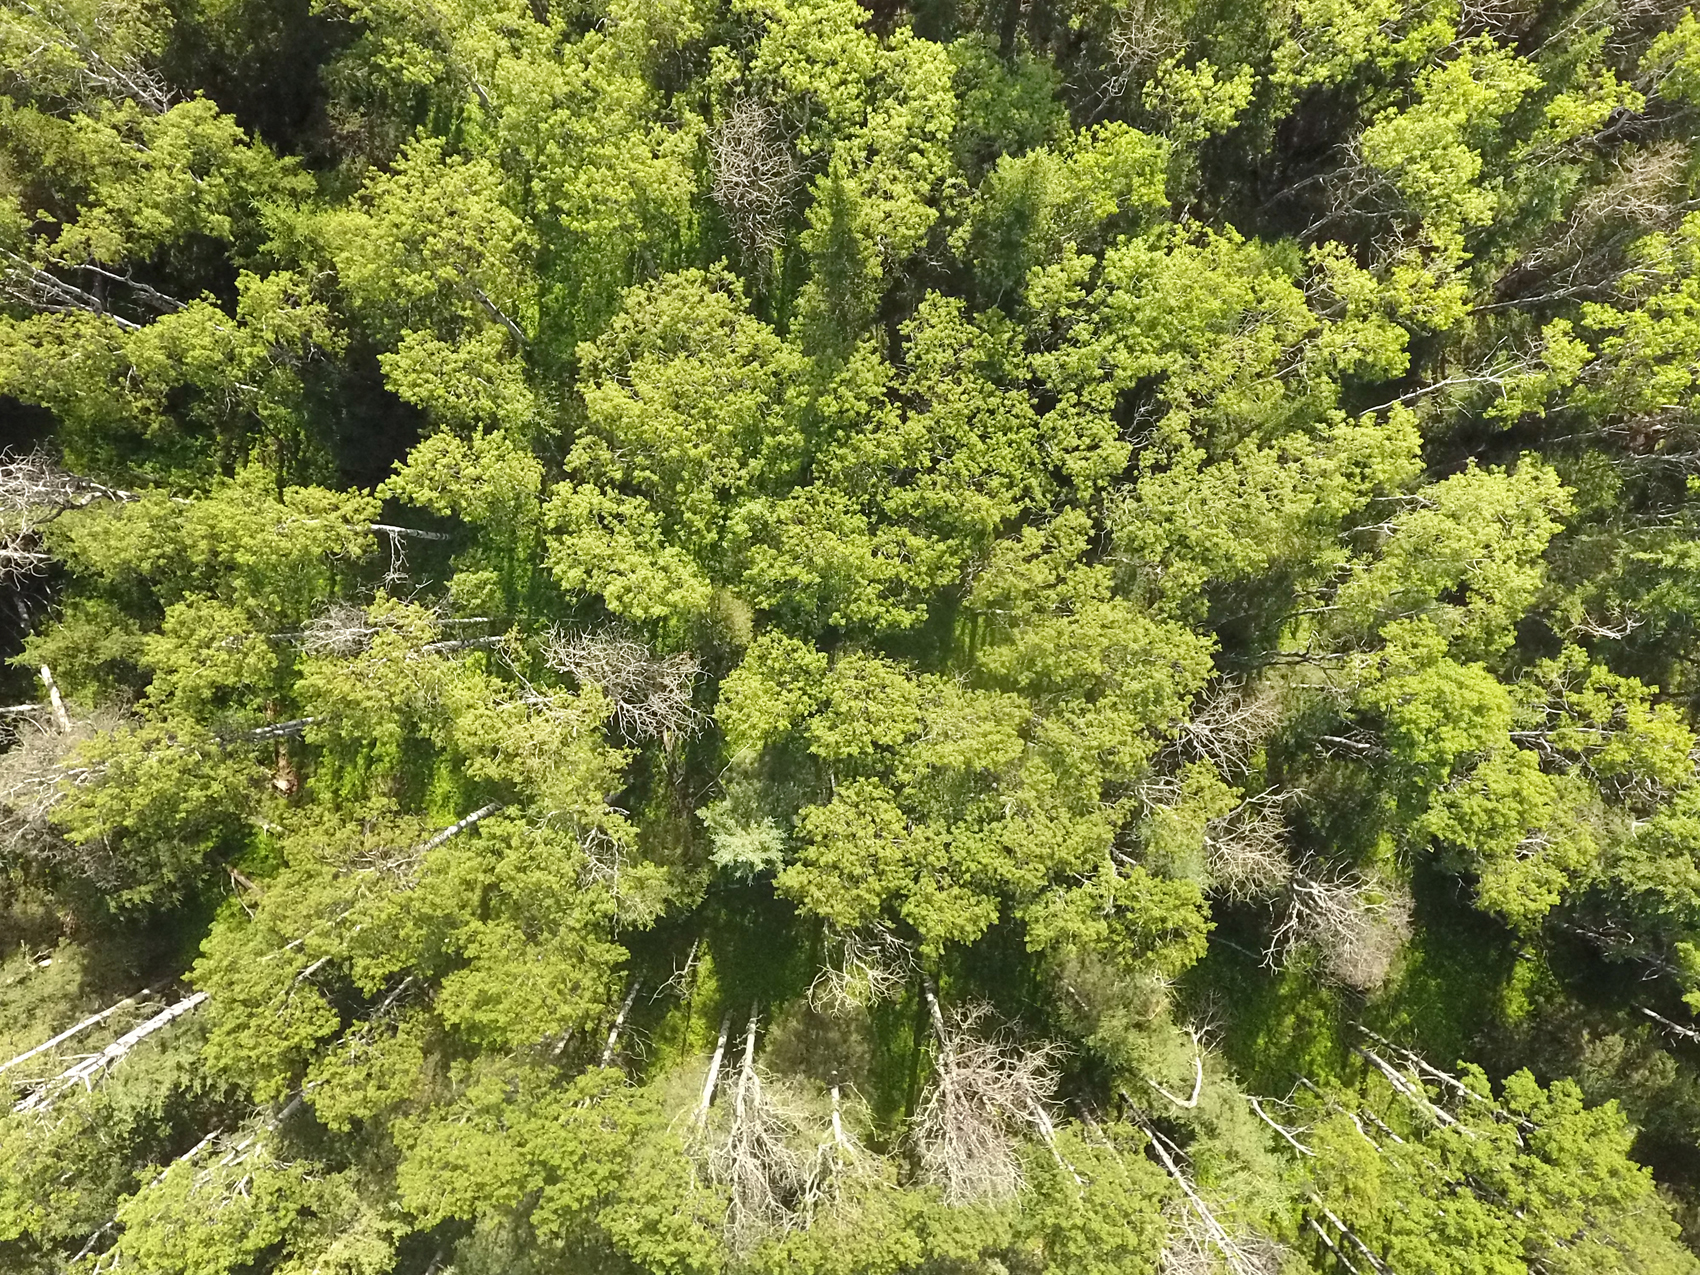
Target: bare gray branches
985,1092
33,489
45,43
864,966
1354,924
755,175
651,695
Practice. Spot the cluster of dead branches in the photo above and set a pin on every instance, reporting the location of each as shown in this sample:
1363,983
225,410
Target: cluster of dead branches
777,1173
1355,925
864,966
37,773
1245,851
651,696
755,176
1230,727
345,629
985,1092
39,52
1202,1245
33,490
1143,36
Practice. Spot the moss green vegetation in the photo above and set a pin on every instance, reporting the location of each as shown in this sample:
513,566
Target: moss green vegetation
953,636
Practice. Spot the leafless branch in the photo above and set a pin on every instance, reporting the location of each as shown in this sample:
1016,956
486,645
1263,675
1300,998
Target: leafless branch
866,966
94,73
984,1092
86,1071
1354,924
1245,851
755,175
651,695
756,1159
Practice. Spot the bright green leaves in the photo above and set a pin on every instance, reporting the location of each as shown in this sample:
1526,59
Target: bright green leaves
877,115
197,1221
688,424
1262,511
154,180
1437,711
1432,151
592,1165
433,246
1033,207
1674,56
506,925
775,686
685,395
943,801
1477,537
495,486
1541,1180
272,556
1642,362
206,661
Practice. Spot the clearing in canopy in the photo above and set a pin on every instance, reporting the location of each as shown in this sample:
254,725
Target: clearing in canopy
814,637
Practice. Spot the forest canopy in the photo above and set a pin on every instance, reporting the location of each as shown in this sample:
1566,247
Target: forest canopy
956,637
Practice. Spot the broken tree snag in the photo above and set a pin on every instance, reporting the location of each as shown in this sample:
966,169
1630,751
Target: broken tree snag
60,716
1354,923
1374,1259
619,1022
713,1070
89,1069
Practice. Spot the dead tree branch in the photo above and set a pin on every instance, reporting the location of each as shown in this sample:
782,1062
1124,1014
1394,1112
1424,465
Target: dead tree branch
983,1093
651,696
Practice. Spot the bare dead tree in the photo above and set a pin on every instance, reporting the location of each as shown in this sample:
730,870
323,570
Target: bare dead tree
712,1079
837,1161
619,1023
864,966
342,629
1230,726
37,773
1143,36
1199,1241
76,1029
1496,17
1245,851
1356,925
756,1158
34,490
651,695
755,175
1190,1102
984,1093
404,863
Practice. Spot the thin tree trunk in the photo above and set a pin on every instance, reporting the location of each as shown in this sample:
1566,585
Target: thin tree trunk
59,714
714,1069
619,1022
86,1070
